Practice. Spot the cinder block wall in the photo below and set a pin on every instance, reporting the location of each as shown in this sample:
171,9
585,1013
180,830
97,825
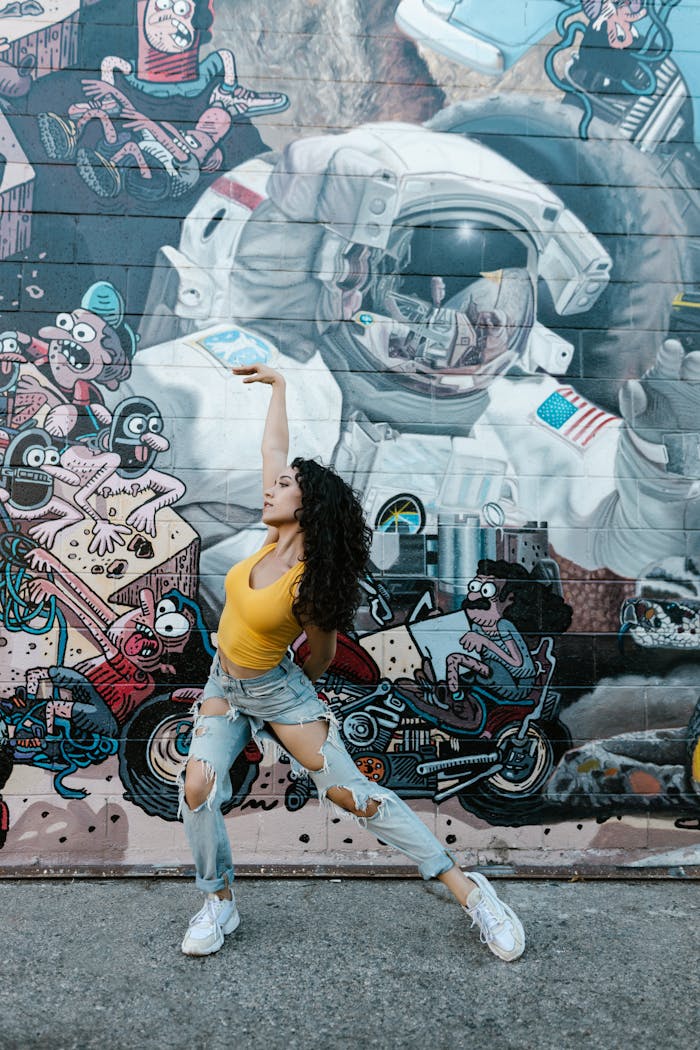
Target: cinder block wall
468,236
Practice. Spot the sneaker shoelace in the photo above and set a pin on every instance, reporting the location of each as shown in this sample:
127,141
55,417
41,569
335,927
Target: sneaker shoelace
208,912
489,922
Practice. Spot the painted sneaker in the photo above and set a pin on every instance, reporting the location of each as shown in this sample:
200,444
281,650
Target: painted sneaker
100,174
205,933
499,926
58,136
243,102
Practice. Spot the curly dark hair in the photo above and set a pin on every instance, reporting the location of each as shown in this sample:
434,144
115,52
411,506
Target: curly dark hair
336,548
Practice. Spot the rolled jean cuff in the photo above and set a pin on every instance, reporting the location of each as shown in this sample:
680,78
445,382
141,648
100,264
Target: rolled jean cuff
222,882
437,865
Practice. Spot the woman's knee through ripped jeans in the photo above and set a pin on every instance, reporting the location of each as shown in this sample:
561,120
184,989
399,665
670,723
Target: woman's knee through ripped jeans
217,740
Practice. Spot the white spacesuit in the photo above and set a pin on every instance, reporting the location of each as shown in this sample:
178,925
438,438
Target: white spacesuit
396,271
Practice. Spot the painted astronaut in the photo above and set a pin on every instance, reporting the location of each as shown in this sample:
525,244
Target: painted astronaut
400,267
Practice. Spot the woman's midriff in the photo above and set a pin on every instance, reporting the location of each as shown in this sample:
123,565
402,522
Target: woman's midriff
236,671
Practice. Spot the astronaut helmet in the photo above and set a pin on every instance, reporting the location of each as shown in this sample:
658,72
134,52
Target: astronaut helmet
133,419
448,305
30,486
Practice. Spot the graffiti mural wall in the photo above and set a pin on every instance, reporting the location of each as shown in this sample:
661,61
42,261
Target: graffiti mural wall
470,237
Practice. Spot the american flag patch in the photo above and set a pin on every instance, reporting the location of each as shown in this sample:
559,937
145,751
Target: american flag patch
572,417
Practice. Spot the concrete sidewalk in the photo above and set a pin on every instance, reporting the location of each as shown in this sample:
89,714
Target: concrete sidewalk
321,965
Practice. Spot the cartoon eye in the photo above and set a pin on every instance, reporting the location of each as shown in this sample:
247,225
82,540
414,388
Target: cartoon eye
85,333
474,586
488,589
155,424
9,345
135,425
172,625
191,141
51,456
34,456
181,7
65,321
163,5
165,606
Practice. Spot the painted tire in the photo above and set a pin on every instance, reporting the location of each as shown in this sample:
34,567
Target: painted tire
512,796
620,195
152,747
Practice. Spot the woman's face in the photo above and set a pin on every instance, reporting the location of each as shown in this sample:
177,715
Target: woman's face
282,500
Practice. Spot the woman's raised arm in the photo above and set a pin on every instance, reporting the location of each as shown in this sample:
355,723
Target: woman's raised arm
275,440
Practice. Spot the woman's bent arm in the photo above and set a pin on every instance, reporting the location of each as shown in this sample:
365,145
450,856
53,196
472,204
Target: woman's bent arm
322,645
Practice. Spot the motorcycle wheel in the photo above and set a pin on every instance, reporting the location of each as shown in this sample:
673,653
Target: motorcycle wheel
511,797
152,748
621,197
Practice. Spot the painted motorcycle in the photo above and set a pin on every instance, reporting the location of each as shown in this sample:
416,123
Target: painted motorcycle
403,737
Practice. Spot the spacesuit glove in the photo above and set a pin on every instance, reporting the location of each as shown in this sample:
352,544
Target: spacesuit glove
662,410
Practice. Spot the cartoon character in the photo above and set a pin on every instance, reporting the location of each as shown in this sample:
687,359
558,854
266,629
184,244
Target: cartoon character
123,458
170,35
618,19
489,662
493,647
167,66
30,466
136,648
16,409
87,348
155,160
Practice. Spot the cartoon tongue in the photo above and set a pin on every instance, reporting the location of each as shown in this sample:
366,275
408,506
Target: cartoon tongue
141,453
6,367
136,643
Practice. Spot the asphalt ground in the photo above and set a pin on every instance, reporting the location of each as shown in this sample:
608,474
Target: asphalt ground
321,964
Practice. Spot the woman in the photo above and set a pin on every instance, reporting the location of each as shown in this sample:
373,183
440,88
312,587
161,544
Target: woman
305,577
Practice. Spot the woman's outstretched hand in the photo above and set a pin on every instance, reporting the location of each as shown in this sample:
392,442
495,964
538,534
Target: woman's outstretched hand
258,374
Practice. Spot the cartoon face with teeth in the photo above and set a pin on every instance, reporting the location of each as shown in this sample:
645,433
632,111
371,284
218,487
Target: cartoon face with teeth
169,25
82,346
152,632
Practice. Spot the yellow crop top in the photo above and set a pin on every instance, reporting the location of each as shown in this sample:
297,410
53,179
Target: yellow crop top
258,624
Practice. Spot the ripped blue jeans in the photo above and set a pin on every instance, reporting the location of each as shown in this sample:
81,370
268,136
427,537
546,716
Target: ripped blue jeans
284,694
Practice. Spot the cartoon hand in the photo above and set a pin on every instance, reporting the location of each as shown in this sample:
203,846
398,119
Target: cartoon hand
106,537
663,407
29,384
101,414
39,590
142,519
61,420
40,560
103,93
46,532
472,640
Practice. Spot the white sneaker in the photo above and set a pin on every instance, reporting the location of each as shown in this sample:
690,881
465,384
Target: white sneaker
205,933
499,926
